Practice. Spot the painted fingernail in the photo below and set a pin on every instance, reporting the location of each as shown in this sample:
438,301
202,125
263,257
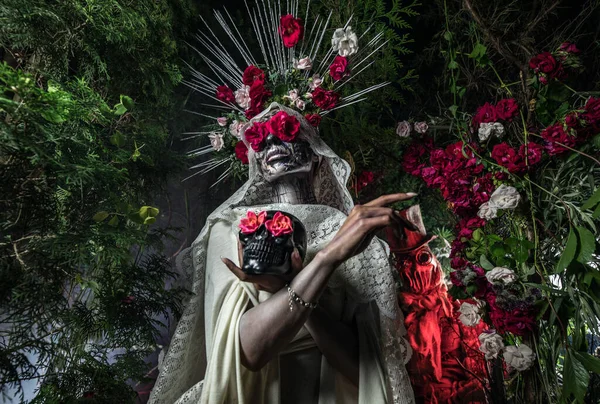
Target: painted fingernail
411,194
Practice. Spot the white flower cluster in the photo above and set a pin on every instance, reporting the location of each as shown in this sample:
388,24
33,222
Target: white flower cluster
501,274
469,314
519,357
344,42
487,129
504,197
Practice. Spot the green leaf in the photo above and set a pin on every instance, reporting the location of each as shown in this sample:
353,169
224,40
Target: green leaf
119,109
594,199
497,250
118,139
485,263
448,36
575,377
453,65
568,253
148,211
127,102
596,213
453,109
149,220
114,221
100,216
587,245
590,362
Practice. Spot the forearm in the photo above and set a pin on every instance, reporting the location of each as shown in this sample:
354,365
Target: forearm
269,327
337,341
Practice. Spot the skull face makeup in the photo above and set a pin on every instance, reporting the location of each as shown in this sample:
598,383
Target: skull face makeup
268,249
279,158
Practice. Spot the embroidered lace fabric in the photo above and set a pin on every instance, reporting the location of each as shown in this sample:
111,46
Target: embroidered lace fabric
366,277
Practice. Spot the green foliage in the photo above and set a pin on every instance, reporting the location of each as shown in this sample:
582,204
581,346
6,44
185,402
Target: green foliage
86,97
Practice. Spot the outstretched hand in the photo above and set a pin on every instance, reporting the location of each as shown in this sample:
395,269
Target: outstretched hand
269,283
361,225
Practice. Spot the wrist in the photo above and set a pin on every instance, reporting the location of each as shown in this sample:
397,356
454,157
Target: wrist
325,260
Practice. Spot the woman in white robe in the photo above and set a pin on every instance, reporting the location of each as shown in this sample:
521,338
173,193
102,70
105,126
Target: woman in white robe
205,359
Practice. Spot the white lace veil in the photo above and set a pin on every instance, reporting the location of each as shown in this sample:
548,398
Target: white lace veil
366,277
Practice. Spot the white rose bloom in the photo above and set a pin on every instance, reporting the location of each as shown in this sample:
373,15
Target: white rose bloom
469,314
519,357
501,274
485,131
421,127
315,82
242,97
292,95
487,211
490,344
222,121
300,104
403,129
234,129
345,42
303,64
505,197
216,141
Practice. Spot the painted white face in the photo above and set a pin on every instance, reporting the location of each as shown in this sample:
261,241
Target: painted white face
280,159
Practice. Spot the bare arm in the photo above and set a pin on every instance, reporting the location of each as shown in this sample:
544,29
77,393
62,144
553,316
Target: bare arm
267,328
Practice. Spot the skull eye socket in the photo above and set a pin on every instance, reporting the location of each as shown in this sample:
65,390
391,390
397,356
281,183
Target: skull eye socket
423,257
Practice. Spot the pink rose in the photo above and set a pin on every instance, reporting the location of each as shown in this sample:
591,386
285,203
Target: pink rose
421,127
555,137
279,225
252,222
569,47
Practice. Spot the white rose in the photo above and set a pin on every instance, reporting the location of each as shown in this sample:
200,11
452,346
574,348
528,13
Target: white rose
242,97
486,129
519,357
216,141
490,344
421,127
345,42
487,211
303,64
501,274
505,197
315,82
222,121
469,314
234,128
403,129
300,104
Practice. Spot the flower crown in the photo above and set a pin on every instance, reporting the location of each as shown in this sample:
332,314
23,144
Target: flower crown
295,70
278,226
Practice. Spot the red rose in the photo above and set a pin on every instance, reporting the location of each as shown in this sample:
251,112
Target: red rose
225,94
325,99
258,95
252,74
414,158
592,111
313,119
555,134
279,225
241,152
507,109
544,63
534,153
291,30
572,121
364,179
569,47
484,114
255,135
504,154
338,69
252,222
284,126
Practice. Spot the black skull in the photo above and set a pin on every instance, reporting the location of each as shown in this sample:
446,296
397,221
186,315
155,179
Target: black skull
265,254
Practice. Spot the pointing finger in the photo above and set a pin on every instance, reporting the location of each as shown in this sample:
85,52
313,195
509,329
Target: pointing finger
387,199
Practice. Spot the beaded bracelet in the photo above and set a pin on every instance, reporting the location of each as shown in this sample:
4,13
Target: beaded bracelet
295,298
